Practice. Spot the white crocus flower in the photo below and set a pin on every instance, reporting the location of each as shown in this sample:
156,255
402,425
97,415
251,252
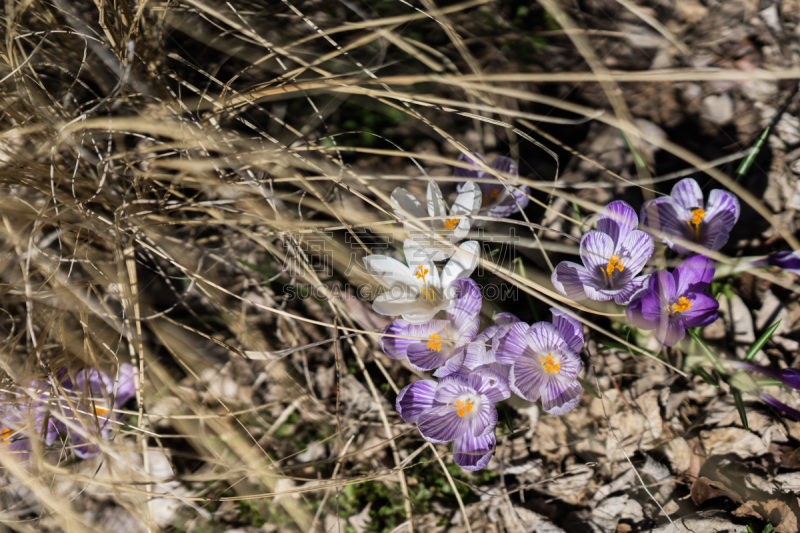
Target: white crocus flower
451,226
416,291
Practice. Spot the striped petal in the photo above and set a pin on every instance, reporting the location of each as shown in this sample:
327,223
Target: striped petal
452,387
631,290
569,279
473,453
467,296
509,347
724,206
472,172
714,234
543,337
559,398
493,382
485,420
596,250
451,365
617,220
395,347
635,251
569,328
442,424
687,194
414,399
644,311
665,216
527,378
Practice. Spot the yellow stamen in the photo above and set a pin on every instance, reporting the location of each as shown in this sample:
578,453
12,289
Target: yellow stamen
421,272
613,264
680,306
6,434
697,217
100,411
428,293
549,366
463,408
434,344
451,224
495,194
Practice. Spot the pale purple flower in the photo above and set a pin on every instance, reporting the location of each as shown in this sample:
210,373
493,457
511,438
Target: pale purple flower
612,255
544,361
499,199
439,343
685,216
21,419
89,403
459,408
674,301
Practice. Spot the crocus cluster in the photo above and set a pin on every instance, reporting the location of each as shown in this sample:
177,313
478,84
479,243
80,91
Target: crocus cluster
82,408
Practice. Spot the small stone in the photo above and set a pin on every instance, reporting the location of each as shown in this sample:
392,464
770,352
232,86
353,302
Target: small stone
719,108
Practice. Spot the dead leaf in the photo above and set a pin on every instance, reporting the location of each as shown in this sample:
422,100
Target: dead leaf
792,460
361,521
723,441
703,489
776,512
789,482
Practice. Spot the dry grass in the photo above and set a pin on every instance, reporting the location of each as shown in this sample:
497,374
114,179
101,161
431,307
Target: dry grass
169,168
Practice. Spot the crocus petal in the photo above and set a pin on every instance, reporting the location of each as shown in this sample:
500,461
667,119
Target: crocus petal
126,385
786,260
635,251
636,313
407,206
494,382
509,347
388,305
435,201
467,296
663,215
703,310
451,365
479,352
568,279
543,337
715,235
687,194
561,398
462,264
669,332
468,201
473,453
794,413
724,205
485,420
389,272
693,274
421,267
791,378
505,165
570,329
414,399
395,347
617,220
468,173
662,284
527,378
442,424
451,387
631,290
596,250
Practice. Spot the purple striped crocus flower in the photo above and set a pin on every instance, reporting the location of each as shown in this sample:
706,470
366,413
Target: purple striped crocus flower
612,255
499,199
459,408
544,361
88,404
21,419
674,301
445,343
685,216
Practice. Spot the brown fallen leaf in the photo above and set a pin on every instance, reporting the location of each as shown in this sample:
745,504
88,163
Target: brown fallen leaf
703,489
791,460
776,512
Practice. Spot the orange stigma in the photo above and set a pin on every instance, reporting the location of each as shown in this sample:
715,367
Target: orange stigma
549,366
434,344
451,224
680,306
697,217
463,407
613,264
421,272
